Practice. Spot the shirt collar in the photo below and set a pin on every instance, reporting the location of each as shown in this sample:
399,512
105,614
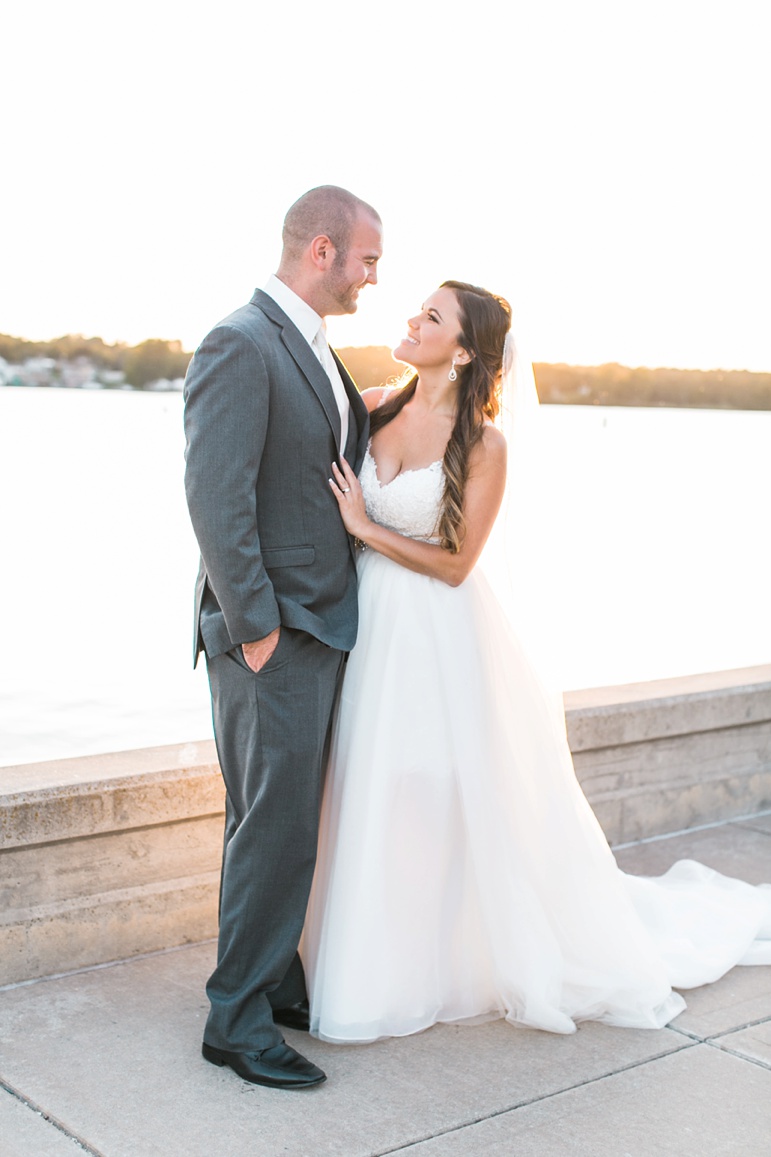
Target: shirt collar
298,311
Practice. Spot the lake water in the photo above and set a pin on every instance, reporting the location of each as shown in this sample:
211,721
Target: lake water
663,565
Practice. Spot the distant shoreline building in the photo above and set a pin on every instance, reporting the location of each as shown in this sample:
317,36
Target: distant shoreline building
79,373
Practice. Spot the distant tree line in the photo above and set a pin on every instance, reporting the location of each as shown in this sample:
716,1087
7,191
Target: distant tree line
607,385
615,385
144,363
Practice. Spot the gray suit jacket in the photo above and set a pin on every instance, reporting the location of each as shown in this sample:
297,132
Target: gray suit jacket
262,429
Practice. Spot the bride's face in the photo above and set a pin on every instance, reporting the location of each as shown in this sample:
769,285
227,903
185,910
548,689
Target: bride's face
432,335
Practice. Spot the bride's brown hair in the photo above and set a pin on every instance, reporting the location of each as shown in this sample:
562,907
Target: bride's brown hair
485,320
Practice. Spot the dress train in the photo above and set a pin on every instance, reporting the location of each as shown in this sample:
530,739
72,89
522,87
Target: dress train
462,875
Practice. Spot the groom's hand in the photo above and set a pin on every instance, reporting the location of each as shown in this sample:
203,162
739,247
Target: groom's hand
257,654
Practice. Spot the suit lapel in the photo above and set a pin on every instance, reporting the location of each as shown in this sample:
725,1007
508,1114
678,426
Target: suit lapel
305,359
358,430
358,422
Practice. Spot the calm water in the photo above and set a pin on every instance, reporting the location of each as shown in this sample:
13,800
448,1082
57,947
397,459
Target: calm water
663,565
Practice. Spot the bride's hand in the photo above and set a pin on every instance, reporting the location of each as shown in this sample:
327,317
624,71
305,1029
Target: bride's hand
347,491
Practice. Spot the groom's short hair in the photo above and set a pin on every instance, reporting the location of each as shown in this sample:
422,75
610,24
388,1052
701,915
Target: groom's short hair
327,210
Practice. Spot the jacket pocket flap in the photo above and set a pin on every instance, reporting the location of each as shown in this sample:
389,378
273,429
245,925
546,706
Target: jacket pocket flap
289,556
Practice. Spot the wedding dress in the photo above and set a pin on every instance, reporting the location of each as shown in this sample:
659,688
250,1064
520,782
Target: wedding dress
462,875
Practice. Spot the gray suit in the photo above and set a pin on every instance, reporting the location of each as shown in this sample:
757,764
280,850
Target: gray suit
262,429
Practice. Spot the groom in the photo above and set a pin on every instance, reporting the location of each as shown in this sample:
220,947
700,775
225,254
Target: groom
268,407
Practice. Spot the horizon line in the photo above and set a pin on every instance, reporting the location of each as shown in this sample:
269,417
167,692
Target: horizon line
118,344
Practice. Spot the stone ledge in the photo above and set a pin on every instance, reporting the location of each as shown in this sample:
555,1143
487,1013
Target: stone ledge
635,712
81,808
108,856
87,770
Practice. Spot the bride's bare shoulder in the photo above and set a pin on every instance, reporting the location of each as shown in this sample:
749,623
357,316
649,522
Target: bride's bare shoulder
493,442
488,457
374,396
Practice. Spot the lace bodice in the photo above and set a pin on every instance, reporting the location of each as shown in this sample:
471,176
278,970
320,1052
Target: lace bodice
410,503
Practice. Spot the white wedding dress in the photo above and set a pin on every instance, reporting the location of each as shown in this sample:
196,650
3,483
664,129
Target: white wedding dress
462,875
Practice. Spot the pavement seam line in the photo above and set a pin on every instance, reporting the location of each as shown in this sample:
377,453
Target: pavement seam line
694,1036
535,1100
57,1124
749,824
737,1028
741,1056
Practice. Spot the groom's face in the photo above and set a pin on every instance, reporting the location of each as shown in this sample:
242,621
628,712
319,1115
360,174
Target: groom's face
350,273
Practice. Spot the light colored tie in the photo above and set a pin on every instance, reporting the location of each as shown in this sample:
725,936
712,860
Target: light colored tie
320,347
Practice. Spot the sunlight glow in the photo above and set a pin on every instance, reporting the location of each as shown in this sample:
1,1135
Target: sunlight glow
604,166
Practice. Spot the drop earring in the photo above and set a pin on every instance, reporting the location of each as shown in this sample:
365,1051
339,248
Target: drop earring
453,374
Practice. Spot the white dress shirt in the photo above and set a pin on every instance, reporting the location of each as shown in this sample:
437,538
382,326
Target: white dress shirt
313,329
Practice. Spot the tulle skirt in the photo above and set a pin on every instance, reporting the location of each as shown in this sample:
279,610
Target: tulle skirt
462,875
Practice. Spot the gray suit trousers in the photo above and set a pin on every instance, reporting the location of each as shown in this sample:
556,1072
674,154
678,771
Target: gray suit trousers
272,735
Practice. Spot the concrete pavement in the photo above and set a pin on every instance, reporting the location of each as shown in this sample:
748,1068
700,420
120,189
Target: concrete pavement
107,1061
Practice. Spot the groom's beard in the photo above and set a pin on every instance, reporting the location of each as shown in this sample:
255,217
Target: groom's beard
341,289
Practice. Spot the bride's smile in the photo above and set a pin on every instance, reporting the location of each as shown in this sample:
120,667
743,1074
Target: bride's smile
432,339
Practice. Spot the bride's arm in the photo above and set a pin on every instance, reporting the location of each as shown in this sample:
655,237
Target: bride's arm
482,500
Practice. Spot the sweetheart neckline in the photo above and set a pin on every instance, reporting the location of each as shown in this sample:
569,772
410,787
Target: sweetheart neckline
402,473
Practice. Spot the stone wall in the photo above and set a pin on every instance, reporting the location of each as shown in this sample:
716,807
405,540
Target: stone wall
108,856
673,754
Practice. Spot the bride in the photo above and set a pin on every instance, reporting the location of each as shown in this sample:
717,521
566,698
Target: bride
462,875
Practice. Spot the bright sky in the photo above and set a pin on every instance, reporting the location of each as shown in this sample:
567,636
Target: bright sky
604,163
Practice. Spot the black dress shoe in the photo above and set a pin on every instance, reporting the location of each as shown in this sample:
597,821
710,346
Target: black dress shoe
278,1067
295,1016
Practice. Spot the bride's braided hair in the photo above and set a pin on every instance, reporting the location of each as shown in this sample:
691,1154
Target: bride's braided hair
485,320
